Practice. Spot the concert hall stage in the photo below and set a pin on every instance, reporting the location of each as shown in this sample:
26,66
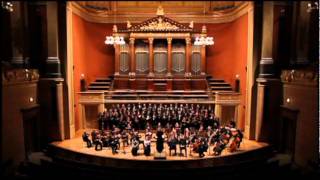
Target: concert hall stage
75,150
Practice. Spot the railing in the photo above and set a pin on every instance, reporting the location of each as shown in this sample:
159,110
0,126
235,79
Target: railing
91,97
227,98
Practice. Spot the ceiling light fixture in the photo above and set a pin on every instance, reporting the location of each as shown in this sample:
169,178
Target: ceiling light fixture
312,6
7,6
203,39
115,38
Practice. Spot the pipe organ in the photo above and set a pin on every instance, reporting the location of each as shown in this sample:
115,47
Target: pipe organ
159,49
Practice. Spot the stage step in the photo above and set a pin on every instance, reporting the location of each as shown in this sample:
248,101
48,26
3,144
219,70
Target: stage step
160,84
98,90
219,84
98,87
103,79
216,80
221,88
123,95
221,91
100,84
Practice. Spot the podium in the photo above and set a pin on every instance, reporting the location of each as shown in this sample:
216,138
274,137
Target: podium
161,155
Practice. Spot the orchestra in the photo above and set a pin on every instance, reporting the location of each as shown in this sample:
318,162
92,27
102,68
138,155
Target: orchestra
183,125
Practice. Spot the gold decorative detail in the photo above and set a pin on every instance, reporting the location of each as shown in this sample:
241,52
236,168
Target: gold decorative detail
160,11
124,48
128,24
115,29
169,39
204,29
191,25
19,76
160,35
299,76
131,40
188,40
159,25
150,40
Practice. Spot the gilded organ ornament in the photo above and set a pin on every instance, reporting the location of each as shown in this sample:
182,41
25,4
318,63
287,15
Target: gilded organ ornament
159,25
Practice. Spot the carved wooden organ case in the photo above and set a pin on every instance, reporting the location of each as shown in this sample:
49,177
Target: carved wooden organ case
159,48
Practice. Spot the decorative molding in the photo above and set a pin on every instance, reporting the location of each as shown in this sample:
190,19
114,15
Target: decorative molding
124,48
141,48
178,48
159,35
299,77
185,15
188,40
131,40
159,23
227,98
150,40
17,76
195,49
266,61
91,97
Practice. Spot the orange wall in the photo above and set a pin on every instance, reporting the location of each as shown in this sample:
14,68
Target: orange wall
78,60
226,58
91,56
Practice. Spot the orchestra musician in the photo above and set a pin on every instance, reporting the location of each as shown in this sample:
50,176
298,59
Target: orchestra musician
192,124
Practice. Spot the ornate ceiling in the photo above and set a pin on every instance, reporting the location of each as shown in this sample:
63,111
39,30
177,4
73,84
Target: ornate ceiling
137,11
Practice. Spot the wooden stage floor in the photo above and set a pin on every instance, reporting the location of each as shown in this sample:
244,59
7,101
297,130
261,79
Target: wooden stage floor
78,146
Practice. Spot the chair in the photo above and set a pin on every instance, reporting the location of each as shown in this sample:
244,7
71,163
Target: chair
172,146
183,146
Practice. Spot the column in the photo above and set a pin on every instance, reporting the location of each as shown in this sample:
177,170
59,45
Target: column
69,74
17,34
260,110
237,113
266,67
52,77
59,100
117,59
101,108
269,87
132,58
169,64
53,69
188,52
151,73
82,116
254,40
218,110
203,59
